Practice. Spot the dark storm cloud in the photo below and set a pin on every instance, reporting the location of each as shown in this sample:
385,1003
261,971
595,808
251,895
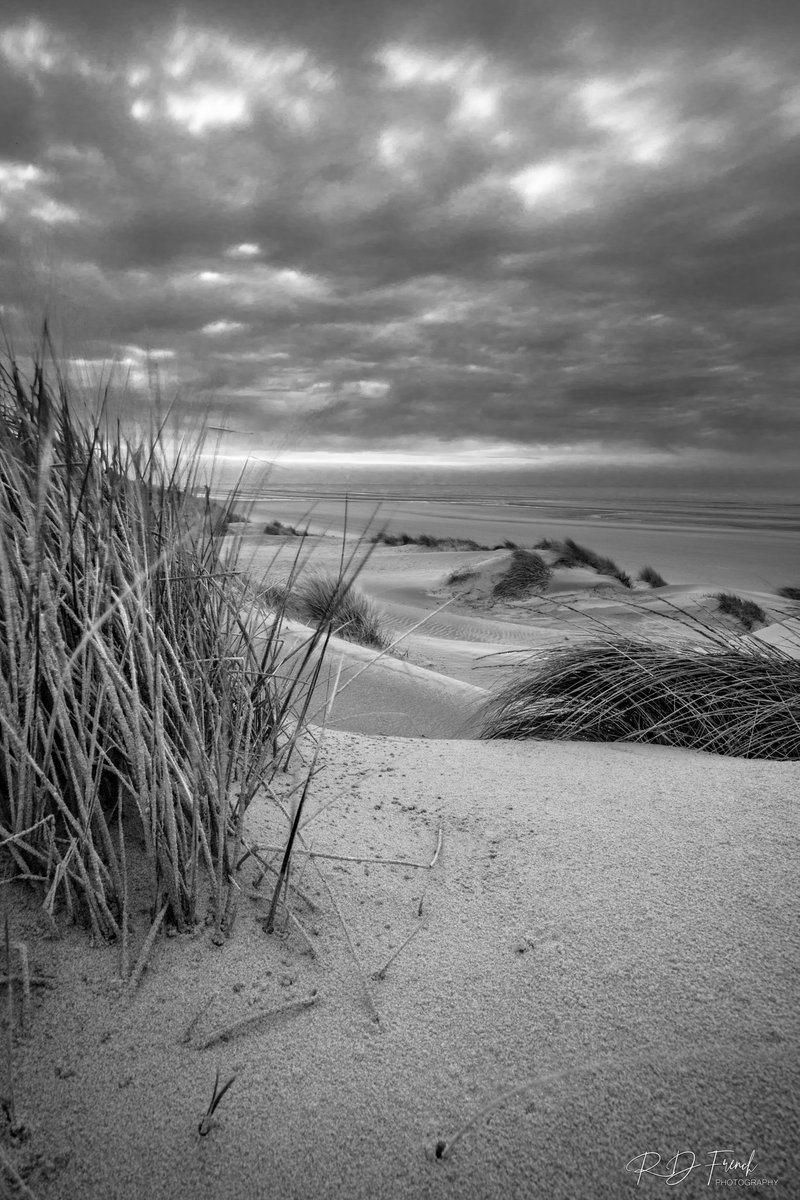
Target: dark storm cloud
514,222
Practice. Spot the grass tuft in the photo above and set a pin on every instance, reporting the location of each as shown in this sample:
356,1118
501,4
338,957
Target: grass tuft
333,603
650,576
141,707
789,593
428,540
278,529
571,554
461,574
741,701
527,572
746,611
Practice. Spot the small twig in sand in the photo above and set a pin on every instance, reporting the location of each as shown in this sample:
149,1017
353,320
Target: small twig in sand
356,858
40,981
443,1147
432,864
22,951
253,852
241,1027
282,874
7,1100
146,948
367,992
301,931
205,1125
190,1028
15,1177
382,973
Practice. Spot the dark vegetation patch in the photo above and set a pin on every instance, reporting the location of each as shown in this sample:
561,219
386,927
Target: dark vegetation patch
461,575
746,611
570,554
789,593
738,702
527,572
428,540
651,577
331,602
278,529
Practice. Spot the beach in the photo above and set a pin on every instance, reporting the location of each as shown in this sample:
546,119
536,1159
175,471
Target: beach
512,968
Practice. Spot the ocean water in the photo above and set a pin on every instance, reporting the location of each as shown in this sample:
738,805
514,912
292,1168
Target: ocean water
697,528
684,497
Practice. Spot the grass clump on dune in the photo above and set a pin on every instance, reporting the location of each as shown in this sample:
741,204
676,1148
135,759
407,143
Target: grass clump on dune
526,572
570,554
651,577
461,575
739,702
278,529
139,708
746,611
789,593
333,603
429,540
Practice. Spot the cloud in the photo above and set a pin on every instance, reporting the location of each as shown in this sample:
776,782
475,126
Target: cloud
514,223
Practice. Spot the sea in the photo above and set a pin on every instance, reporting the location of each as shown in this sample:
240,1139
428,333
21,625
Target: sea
692,496
720,530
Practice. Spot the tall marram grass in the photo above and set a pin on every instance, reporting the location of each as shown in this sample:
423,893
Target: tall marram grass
333,603
734,700
139,708
526,572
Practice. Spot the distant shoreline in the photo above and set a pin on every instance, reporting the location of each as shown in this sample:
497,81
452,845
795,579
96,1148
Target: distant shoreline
708,551
666,515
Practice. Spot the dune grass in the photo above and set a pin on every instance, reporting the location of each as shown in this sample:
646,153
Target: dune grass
279,529
737,700
789,593
428,540
571,554
141,702
333,603
526,572
461,574
746,611
652,578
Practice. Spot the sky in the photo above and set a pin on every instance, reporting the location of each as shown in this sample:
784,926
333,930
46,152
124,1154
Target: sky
472,230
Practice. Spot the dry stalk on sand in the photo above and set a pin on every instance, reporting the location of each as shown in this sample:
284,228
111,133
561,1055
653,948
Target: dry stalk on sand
381,972
216,1096
13,1174
239,1028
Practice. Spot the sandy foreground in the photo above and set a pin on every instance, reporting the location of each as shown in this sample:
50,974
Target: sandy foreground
602,965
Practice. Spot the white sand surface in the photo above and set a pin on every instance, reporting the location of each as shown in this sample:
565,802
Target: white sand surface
604,959
608,940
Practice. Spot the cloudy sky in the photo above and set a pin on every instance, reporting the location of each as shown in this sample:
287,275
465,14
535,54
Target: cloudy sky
468,228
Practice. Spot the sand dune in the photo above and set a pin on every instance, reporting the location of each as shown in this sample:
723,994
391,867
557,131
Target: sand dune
603,960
